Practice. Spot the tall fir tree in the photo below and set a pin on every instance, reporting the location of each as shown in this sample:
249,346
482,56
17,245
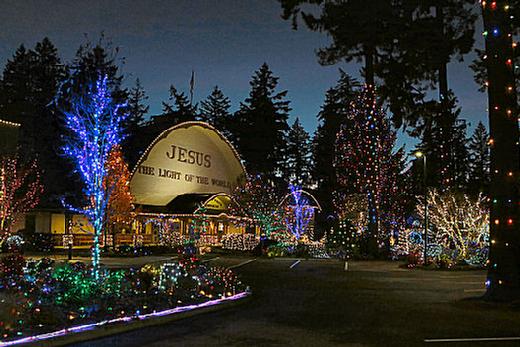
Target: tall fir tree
366,164
358,32
332,115
215,111
133,145
405,46
479,159
260,129
92,61
27,89
179,108
443,141
298,155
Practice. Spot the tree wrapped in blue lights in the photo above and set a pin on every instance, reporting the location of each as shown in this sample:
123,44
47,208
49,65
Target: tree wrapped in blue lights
300,213
94,122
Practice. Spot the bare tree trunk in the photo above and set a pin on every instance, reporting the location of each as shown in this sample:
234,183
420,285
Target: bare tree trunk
369,65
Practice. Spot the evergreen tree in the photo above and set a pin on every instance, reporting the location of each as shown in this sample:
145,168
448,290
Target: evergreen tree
92,61
179,108
298,155
261,125
133,145
479,159
332,115
18,94
215,111
358,32
30,82
405,45
443,141
366,164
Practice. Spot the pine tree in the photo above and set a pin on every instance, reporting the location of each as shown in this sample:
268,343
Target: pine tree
443,141
133,145
479,159
261,125
332,115
405,45
358,32
92,61
178,109
30,82
366,164
215,111
298,155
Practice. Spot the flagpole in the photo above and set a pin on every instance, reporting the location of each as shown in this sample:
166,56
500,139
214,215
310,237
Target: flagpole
192,84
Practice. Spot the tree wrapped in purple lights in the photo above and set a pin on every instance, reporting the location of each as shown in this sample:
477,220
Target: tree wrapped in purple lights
94,122
299,212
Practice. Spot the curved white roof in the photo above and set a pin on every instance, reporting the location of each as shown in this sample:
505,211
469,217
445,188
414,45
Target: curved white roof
191,157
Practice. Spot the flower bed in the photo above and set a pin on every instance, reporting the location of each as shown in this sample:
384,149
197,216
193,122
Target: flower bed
41,296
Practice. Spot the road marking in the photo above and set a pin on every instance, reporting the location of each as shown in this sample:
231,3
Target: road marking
461,276
474,290
481,283
242,263
295,263
208,260
476,339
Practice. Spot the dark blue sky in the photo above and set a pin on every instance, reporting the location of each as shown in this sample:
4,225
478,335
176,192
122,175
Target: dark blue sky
223,41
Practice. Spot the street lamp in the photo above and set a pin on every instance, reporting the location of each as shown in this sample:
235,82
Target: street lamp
420,155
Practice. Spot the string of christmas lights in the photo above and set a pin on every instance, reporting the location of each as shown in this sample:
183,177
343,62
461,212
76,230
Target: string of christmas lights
95,123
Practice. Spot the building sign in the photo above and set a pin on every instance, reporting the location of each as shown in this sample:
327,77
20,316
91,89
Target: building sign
191,157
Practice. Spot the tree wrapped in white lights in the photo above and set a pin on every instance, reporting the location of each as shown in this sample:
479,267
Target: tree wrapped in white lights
94,122
20,191
459,221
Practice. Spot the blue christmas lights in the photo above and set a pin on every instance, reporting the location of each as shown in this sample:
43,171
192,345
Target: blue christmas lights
298,221
94,121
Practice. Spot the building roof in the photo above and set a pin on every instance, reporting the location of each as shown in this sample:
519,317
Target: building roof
214,204
188,158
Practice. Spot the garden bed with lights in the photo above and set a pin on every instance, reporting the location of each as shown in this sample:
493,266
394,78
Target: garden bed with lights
43,299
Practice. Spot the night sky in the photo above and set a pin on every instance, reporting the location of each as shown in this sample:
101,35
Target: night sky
223,41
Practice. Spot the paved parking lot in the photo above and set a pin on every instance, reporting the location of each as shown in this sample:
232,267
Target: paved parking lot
318,303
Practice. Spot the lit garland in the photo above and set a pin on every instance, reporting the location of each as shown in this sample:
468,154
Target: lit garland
8,123
20,191
95,124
